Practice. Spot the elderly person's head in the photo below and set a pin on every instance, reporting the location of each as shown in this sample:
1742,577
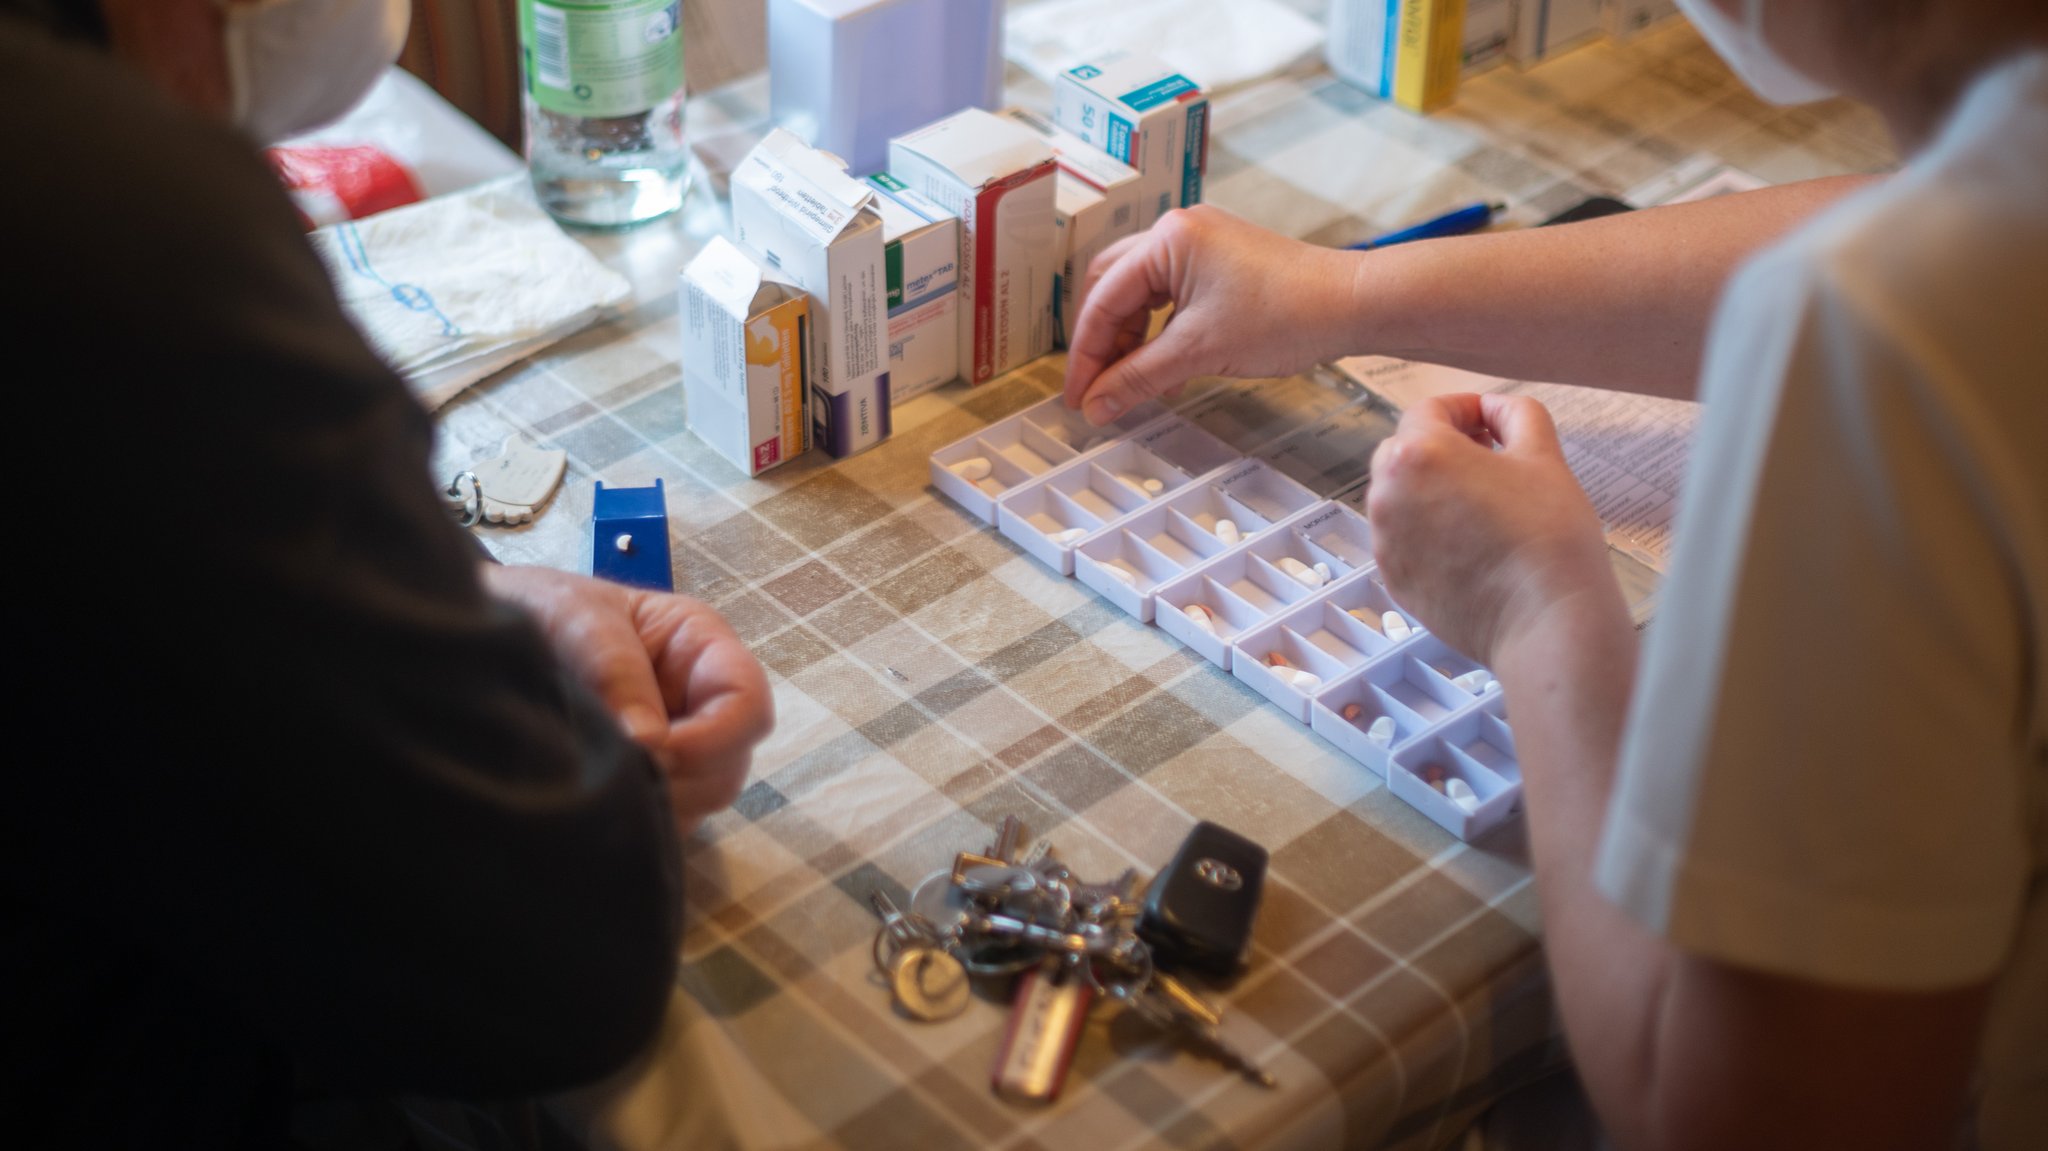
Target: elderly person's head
274,67
1909,59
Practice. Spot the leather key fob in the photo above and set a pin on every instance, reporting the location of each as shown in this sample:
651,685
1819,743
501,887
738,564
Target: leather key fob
1198,913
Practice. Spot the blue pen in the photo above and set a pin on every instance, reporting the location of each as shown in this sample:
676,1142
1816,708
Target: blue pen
1466,219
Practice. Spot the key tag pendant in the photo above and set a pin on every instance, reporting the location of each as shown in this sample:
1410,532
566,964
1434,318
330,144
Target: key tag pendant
509,488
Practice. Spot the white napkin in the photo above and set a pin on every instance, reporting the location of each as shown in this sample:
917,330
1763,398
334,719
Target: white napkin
1218,44
454,288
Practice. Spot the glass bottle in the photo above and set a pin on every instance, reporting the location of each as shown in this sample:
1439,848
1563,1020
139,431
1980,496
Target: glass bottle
604,108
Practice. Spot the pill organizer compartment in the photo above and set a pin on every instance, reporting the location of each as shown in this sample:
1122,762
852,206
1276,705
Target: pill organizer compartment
1336,535
1126,458
1287,542
1017,452
1154,545
1317,637
1185,446
1079,497
1476,747
1261,487
1022,447
1205,504
1367,596
1241,589
1413,675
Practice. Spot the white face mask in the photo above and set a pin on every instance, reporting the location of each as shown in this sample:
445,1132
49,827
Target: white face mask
1743,47
294,65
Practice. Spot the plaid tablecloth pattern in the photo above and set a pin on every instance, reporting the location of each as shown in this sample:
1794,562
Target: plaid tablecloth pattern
930,678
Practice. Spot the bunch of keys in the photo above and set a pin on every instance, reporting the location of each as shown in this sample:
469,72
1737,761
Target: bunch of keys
997,914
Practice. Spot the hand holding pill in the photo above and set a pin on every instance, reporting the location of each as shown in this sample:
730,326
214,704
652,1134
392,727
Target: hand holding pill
1479,525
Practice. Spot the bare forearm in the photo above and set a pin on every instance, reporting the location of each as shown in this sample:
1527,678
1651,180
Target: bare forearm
1622,301
1569,676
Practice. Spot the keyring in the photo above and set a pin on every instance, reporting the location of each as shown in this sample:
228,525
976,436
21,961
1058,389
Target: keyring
468,509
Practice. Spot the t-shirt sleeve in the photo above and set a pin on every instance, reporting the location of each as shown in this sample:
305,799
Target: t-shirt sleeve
1822,771
303,764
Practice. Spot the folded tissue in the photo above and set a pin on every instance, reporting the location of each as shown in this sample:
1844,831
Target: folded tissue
455,288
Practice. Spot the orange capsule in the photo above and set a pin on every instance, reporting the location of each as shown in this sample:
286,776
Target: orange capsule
1275,659
1351,712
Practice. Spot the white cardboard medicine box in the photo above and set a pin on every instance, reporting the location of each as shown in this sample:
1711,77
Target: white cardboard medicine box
999,179
921,265
846,75
1143,113
1096,204
744,336
799,212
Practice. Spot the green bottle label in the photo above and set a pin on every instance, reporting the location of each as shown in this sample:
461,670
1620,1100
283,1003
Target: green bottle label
602,59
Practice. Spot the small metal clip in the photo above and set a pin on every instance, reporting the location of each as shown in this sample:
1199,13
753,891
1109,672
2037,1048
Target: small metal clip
467,509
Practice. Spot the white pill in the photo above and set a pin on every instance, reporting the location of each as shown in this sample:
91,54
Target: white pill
973,469
1126,578
1323,570
1200,617
1154,487
1394,626
1382,731
1227,532
1058,432
1472,681
1304,682
1461,793
1068,537
1300,572
1132,481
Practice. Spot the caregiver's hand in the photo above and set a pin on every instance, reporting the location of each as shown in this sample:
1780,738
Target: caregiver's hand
1481,543
1247,302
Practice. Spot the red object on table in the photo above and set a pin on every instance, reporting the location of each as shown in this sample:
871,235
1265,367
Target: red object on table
329,185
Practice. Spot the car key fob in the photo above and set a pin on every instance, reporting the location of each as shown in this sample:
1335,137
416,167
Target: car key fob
1198,913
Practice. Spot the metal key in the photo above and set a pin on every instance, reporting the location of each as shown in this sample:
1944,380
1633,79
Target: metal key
1176,1008
900,931
1009,839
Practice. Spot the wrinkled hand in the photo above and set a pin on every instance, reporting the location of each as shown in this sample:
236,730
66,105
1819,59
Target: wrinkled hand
1247,303
1479,543
680,682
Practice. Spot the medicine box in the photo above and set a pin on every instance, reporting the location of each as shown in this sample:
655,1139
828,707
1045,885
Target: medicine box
1625,19
1488,26
799,212
999,178
1545,28
846,75
1096,205
1143,113
921,266
744,336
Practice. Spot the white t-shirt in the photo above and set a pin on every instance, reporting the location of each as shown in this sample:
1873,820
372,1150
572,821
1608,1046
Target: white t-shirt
1836,764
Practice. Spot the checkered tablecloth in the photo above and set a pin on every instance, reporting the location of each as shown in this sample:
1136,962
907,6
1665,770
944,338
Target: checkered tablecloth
930,679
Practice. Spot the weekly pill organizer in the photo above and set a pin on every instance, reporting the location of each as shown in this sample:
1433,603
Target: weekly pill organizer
1258,574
